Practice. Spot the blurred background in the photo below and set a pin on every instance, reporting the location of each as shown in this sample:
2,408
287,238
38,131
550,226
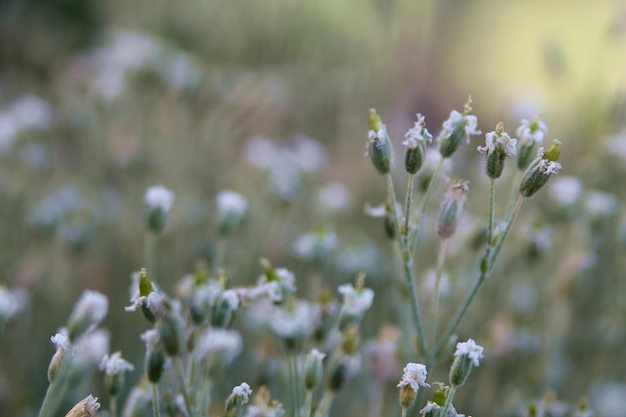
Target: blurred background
101,100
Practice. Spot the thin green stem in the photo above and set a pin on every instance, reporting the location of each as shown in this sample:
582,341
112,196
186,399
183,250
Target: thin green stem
180,373
407,263
407,205
431,186
517,179
57,389
308,403
113,406
440,261
488,260
293,368
449,398
324,405
492,211
220,252
150,256
155,400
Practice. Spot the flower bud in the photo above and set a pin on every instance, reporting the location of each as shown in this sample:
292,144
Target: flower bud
87,407
238,398
539,172
157,204
498,147
415,143
379,146
231,209
451,208
155,364
530,136
55,364
455,129
407,396
313,369
227,303
467,354
172,333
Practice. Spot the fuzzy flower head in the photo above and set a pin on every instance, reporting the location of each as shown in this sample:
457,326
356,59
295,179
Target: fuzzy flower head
92,305
243,391
114,364
295,319
455,129
548,164
414,375
417,134
356,301
530,133
470,350
157,203
231,209
158,198
498,141
61,340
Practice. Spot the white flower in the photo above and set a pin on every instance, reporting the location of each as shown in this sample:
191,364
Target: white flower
417,134
549,167
93,346
114,364
566,190
228,344
317,355
530,133
430,407
334,197
8,304
150,338
295,320
159,198
61,339
471,350
230,203
154,300
243,391
308,155
356,302
414,374
92,305
231,298
470,124
275,289
493,138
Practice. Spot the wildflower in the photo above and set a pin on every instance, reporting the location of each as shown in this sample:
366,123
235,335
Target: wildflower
471,350
566,191
231,208
87,407
455,129
115,368
114,364
540,171
451,207
61,339
530,136
276,282
239,397
334,197
88,312
294,320
226,304
224,344
379,145
313,369
414,375
466,354
430,409
498,147
316,246
356,301
155,355
415,143
8,305
143,294
171,329
157,203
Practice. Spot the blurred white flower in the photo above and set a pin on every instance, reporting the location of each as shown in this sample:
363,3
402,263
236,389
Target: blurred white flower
297,319
92,305
334,197
470,126
566,190
114,364
230,203
492,139
356,302
61,340
8,304
243,391
226,344
308,155
531,132
600,204
471,350
417,133
32,112
159,198
92,347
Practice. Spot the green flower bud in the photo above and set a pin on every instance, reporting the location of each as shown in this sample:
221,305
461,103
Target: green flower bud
451,208
415,143
155,364
498,147
539,172
457,128
313,369
379,146
157,204
172,333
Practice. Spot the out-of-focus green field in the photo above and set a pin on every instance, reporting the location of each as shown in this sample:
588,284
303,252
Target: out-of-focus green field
118,96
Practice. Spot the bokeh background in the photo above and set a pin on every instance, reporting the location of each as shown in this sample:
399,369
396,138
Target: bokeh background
100,100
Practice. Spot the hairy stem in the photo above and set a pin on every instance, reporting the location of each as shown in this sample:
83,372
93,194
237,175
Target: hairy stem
440,261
